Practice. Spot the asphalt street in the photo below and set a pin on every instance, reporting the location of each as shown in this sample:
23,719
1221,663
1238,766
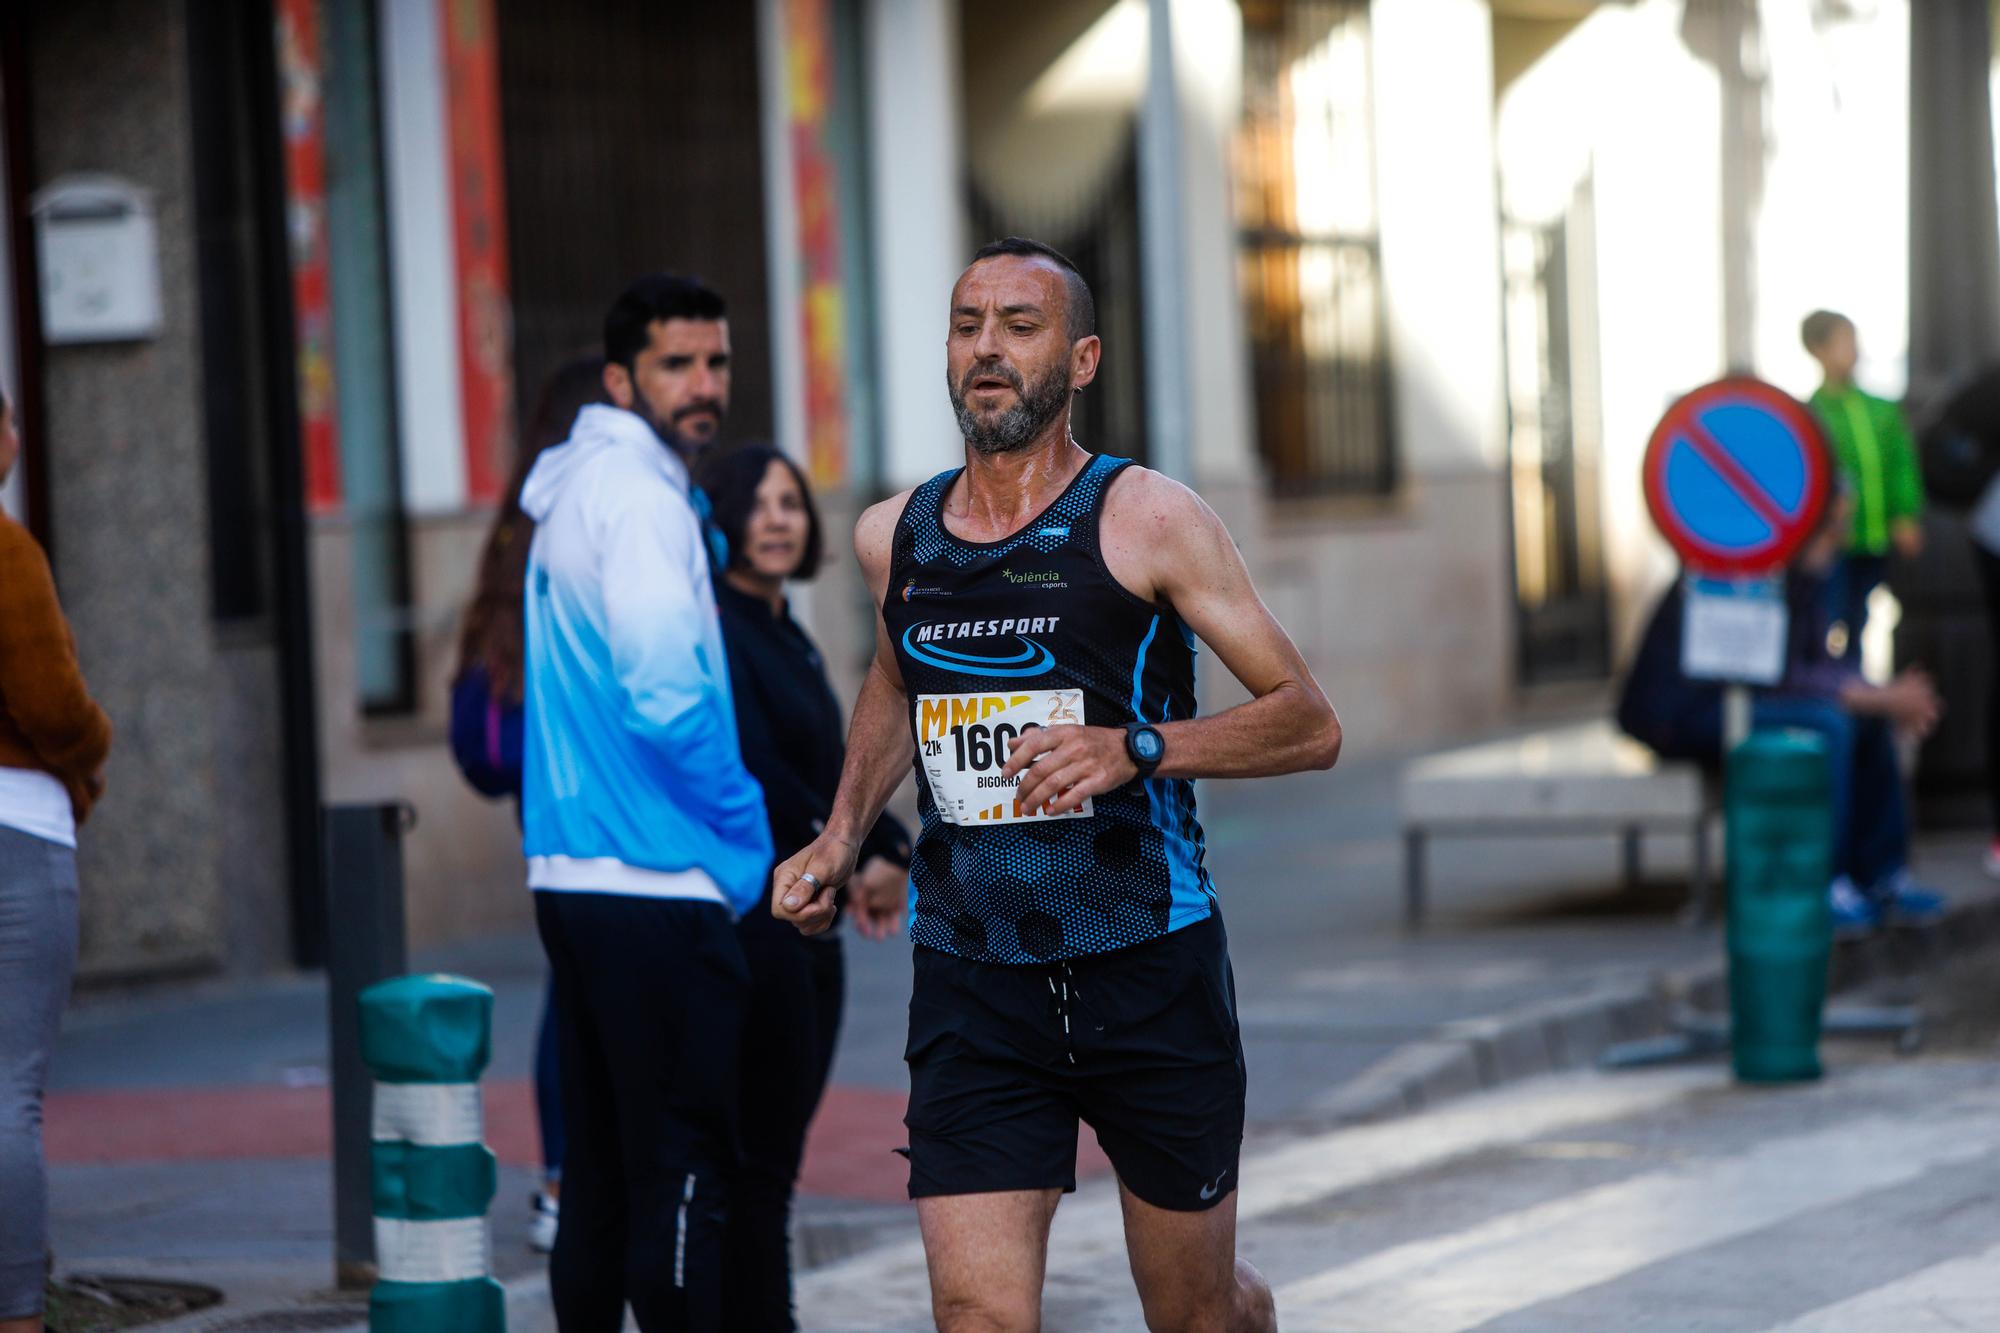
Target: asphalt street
1661,1200
188,1128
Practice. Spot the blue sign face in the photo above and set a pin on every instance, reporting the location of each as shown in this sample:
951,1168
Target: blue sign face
1736,477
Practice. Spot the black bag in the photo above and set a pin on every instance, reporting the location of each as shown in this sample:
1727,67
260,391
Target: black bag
1960,451
1957,466
485,736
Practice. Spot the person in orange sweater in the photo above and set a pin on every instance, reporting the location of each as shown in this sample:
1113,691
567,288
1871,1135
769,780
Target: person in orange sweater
53,743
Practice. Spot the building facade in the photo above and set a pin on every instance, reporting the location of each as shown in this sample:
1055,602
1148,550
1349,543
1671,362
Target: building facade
1367,278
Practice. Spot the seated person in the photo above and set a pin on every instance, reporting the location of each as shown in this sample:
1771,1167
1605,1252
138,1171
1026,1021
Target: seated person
1681,718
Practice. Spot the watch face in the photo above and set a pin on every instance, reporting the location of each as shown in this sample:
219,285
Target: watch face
1147,743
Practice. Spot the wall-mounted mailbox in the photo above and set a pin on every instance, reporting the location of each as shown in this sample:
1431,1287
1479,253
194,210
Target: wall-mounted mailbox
100,260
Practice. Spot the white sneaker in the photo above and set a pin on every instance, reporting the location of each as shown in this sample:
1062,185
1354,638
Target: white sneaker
1853,914
542,1227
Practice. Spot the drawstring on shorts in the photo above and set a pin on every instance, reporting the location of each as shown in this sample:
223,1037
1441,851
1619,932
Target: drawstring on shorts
1059,978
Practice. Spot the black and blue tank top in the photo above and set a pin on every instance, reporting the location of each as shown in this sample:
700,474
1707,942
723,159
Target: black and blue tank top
1032,630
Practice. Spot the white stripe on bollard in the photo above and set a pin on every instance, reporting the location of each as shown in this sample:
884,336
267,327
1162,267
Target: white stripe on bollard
455,1251
430,1115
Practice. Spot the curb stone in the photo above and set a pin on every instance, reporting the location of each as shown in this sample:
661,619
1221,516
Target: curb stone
1475,1054
1480,1053
527,1309
332,1315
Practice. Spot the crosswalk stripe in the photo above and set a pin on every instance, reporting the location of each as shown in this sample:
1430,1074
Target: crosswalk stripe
1348,1159
870,1289
1945,1298
1520,1259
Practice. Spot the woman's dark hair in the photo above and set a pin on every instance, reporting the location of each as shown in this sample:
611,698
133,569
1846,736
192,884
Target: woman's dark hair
493,632
731,478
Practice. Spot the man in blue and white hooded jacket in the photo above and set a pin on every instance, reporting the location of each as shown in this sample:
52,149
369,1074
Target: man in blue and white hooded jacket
645,834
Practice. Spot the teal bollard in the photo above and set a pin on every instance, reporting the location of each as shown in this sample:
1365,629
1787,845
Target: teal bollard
1778,810
426,1040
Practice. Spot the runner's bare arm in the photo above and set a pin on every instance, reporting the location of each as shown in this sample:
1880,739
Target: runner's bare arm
879,752
1166,546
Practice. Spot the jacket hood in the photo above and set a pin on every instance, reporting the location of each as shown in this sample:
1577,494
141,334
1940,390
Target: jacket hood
599,427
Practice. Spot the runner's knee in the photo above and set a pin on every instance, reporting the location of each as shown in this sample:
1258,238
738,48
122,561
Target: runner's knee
1242,1305
1256,1307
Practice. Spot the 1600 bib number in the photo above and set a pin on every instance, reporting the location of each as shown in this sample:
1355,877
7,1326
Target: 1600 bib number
964,741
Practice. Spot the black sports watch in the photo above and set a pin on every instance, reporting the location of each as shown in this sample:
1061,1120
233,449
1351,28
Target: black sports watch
1145,747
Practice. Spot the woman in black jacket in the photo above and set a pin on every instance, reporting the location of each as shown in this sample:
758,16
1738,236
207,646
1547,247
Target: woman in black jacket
486,714
792,738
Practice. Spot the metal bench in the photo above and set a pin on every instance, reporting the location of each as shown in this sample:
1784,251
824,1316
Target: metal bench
1580,779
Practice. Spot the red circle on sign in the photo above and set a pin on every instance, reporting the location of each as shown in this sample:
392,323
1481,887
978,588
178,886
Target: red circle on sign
1789,531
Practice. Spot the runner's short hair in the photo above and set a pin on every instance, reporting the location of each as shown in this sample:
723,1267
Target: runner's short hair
1817,327
1080,314
655,297
730,477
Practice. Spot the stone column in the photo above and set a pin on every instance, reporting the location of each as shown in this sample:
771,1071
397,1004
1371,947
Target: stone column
1954,236
127,472
917,186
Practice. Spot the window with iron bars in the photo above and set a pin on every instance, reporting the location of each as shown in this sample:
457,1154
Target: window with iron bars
1309,251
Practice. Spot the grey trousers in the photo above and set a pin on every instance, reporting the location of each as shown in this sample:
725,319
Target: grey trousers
37,960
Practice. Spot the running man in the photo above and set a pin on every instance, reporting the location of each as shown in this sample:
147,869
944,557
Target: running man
1070,957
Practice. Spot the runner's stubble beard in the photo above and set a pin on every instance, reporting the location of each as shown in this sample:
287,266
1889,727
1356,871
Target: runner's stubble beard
1035,406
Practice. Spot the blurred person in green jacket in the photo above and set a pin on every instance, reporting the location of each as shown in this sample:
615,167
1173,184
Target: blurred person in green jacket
1873,449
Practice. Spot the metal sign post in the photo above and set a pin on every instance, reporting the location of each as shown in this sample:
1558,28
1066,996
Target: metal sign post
1737,477
1735,716
1735,632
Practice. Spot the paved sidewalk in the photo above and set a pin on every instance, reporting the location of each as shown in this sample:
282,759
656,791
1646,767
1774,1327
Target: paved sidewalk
188,1128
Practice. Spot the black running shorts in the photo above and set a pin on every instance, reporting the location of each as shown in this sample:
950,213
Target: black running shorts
1141,1043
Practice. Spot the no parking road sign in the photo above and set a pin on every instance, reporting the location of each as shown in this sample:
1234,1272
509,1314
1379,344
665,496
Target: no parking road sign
1737,477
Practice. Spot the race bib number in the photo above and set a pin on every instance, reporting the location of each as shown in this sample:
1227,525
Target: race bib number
964,741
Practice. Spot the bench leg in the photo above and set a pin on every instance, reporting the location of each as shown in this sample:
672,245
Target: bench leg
1703,885
1413,878
1635,870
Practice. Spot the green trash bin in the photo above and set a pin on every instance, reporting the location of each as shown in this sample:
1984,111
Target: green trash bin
1778,810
